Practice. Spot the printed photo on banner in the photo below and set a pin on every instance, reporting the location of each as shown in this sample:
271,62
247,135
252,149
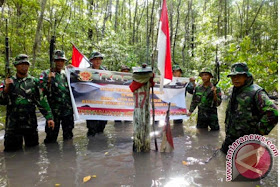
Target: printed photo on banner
105,95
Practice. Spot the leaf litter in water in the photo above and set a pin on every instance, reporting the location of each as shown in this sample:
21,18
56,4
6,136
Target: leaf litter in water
185,163
87,178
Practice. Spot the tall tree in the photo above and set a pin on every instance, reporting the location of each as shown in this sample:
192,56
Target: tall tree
38,33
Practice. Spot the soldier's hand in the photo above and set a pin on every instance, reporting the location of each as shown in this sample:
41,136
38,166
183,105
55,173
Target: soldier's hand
70,66
51,124
192,79
8,82
189,113
214,88
51,74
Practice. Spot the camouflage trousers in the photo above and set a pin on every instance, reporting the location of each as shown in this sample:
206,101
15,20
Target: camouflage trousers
95,126
208,117
13,139
67,123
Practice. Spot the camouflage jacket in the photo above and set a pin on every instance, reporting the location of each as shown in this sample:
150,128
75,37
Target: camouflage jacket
57,92
21,103
203,97
250,111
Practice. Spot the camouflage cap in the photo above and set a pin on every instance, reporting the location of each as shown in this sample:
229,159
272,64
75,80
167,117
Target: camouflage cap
95,54
176,67
59,55
124,67
206,70
239,68
22,58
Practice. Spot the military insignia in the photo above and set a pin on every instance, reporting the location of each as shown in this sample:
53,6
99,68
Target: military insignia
1,87
85,76
41,78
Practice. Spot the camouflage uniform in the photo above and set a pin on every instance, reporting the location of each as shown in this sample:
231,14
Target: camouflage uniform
58,94
203,97
96,126
249,110
21,101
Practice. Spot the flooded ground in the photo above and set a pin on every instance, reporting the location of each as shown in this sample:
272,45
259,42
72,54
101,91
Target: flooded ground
110,160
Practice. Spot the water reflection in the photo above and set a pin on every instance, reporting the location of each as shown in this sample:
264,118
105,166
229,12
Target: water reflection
177,130
109,156
58,156
22,166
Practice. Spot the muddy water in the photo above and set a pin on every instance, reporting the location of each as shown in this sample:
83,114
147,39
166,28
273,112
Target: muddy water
110,158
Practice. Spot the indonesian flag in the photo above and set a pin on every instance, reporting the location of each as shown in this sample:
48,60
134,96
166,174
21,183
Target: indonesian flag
78,59
163,45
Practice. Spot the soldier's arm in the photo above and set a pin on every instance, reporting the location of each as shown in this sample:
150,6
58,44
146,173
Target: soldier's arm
219,96
268,112
4,90
43,84
42,103
195,101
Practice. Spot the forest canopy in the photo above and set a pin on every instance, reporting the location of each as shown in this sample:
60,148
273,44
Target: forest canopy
125,31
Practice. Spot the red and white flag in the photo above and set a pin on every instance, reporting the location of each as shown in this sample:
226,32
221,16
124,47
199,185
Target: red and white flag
78,59
163,45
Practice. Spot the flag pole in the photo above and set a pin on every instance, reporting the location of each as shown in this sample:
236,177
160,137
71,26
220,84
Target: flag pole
153,103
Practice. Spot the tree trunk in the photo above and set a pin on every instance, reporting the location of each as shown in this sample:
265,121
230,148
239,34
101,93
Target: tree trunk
116,16
171,22
192,35
106,16
1,2
225,19
151,33
247,18
134,22
141,119
256,16
176,29
241,20
38,33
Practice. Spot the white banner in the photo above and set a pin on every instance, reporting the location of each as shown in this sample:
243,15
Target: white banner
105,95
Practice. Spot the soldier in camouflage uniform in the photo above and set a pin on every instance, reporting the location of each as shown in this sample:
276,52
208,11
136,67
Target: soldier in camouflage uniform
21,94
56,89
96,126
249,110
207,97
